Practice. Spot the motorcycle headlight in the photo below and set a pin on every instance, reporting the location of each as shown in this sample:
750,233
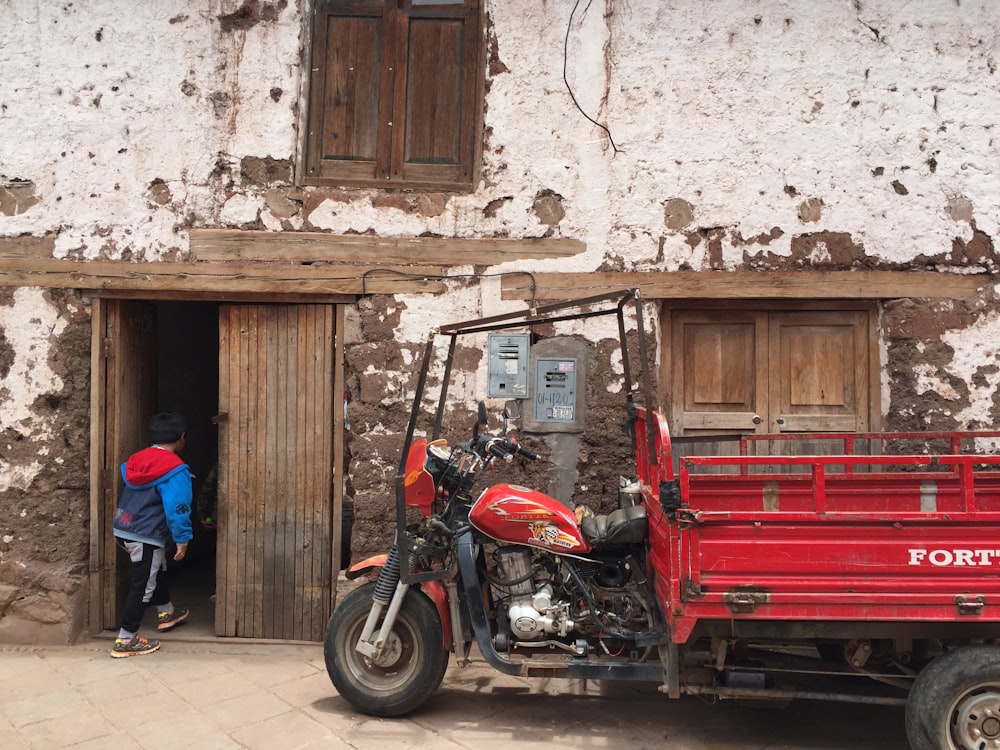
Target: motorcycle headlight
438,458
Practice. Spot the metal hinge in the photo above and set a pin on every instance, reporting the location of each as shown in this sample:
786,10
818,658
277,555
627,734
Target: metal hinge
744,601
690,590
970,605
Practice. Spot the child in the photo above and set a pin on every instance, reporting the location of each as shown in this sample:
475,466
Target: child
154,508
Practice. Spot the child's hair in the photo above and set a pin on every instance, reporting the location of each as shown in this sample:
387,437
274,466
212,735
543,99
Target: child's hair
166,427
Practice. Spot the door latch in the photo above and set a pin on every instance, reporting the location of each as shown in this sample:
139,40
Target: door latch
970,605
744,601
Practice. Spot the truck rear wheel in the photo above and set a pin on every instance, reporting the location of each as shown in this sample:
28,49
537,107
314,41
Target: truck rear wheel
955,701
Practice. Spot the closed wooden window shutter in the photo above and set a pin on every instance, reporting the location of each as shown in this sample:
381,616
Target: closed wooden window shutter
351,93
395,95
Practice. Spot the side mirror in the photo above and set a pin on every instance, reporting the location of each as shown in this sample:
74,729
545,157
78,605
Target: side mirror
512,410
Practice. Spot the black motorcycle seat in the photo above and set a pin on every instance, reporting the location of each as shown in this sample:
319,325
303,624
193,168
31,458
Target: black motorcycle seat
622,526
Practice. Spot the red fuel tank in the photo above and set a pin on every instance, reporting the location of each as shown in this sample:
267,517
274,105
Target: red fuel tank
511,513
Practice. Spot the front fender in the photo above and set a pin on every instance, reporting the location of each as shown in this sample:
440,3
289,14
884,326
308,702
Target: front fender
437,594
434,590
363,567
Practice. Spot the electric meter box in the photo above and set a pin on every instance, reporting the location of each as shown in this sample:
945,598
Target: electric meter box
508,366
555,390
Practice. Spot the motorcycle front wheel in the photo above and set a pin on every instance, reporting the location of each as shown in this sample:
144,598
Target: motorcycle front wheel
411,667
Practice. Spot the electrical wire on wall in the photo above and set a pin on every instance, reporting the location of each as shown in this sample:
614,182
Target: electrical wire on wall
441,277
569,88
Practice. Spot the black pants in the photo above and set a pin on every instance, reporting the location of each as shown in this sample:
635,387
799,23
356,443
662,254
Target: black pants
147,582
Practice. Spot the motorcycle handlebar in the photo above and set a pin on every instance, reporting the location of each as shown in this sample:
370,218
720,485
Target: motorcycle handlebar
525,452
499,449
507,449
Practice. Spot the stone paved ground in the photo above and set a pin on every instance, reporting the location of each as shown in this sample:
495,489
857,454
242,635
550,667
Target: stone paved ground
221,694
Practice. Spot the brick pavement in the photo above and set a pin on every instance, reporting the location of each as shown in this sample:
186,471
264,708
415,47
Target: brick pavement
211,693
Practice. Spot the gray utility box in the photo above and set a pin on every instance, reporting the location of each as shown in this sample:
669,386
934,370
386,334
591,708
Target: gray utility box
508,366
555,390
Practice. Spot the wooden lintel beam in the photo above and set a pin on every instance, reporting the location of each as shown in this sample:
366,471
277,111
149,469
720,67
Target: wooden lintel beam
231,245
749,284
201,279
258,297
27,247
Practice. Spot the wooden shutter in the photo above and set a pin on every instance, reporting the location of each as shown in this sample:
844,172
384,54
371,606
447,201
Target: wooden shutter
767,371
720,373
395,93
439,81
821,372
819,378
346,89
274,556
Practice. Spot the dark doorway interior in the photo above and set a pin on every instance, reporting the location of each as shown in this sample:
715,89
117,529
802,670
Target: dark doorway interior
188,382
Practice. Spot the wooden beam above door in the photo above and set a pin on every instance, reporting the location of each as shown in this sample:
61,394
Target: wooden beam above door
238,265
748,284
308,247
243,281
314,266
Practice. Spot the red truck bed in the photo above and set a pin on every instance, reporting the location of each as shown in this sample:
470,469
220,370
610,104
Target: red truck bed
912,537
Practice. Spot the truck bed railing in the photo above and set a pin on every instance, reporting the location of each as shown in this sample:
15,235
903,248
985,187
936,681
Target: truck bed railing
933,483
850,442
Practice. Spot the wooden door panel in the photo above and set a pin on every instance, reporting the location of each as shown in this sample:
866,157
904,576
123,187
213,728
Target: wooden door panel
695,422
130,395
717,378
717,387
719,372
820,382
275,471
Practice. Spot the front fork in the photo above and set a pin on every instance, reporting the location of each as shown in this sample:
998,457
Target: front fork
388,598
390,592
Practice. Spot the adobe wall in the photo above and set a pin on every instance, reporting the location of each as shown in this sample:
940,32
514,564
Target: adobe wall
44,451
740,136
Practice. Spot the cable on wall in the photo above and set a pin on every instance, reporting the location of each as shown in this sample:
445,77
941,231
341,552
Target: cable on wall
570,88
441,277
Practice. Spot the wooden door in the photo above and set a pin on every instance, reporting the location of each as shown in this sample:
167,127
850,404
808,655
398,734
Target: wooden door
819,377
767,371
720,379
124,400
276,448
820,364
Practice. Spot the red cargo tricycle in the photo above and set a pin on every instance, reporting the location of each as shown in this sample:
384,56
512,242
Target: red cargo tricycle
756,576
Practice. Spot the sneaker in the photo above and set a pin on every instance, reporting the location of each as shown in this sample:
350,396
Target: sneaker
167,620
138,645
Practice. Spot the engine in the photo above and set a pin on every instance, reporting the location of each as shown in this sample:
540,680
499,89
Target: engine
572,604
530,611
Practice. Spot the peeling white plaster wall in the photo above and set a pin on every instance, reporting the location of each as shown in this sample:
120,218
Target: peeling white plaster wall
132,121
28,325
94,98
751,97
977,362
726,105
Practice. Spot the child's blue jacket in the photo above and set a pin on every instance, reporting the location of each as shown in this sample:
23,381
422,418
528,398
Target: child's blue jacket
155,504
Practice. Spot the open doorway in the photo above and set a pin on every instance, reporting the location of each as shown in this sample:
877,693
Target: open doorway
256,384
187,366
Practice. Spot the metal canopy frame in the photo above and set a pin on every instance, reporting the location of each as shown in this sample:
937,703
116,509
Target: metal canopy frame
614,303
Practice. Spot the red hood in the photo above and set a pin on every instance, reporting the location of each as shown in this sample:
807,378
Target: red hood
150,464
